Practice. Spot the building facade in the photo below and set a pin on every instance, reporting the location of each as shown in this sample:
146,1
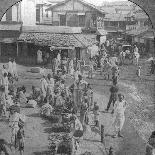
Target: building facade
75,13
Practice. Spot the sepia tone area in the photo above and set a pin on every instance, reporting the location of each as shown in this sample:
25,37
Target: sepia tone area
77,78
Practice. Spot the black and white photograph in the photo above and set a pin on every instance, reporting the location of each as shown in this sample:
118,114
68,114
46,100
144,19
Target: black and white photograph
77,77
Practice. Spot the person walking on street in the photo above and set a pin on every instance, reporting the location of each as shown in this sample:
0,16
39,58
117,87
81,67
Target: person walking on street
119,120
14,67
136,54
113,97
20,138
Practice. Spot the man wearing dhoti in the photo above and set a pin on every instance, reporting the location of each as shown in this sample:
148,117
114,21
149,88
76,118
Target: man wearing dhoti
10,67
14,67
79,86
50,82
44,86
119,111
71,68
5,83
39,57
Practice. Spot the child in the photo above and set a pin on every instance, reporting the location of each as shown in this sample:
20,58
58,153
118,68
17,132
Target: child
20,138
138,71
3,148
96,114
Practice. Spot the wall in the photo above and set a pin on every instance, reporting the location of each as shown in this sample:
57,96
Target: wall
28,12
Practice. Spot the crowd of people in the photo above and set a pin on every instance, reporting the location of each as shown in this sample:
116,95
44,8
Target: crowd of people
54,97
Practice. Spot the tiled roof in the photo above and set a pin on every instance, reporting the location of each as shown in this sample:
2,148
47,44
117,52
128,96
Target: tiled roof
47,39
81,1
51,29
139,31
10,27
86,39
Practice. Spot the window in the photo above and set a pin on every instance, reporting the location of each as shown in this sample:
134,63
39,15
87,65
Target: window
38,14
82,20
9,14
47,14
62,20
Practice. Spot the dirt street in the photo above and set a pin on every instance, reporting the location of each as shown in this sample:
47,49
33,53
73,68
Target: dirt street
140,119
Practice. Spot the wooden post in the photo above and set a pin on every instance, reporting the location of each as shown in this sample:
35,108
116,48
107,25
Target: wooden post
102,134
17,49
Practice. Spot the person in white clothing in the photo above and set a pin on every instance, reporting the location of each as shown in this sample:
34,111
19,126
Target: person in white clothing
39,57
136,55
14,120
119,110
71,68
14,67
5,83
4,70
10,67
44,86
59,58
50,82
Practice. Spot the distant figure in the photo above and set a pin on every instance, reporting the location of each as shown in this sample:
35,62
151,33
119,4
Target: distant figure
59,58
138,71
10,66
14,66
39,56
50,82
5,83
136,54
71,68
20,139
44,86
4,70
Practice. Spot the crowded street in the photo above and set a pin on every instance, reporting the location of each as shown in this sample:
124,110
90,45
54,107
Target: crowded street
38,129
77,77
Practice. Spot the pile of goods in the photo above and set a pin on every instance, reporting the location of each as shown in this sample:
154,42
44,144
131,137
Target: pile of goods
60,143
61,128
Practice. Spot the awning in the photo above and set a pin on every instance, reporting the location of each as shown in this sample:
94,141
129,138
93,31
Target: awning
8,40
48,39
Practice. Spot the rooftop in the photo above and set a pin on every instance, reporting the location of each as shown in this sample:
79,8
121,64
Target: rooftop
52,29
10,26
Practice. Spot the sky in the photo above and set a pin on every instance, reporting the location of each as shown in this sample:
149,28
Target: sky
99,2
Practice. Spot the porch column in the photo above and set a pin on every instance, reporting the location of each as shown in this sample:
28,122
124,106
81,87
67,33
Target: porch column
17,49
0,49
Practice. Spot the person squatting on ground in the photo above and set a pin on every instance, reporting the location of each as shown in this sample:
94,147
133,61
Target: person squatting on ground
119,110
150,147
3,147
113,97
